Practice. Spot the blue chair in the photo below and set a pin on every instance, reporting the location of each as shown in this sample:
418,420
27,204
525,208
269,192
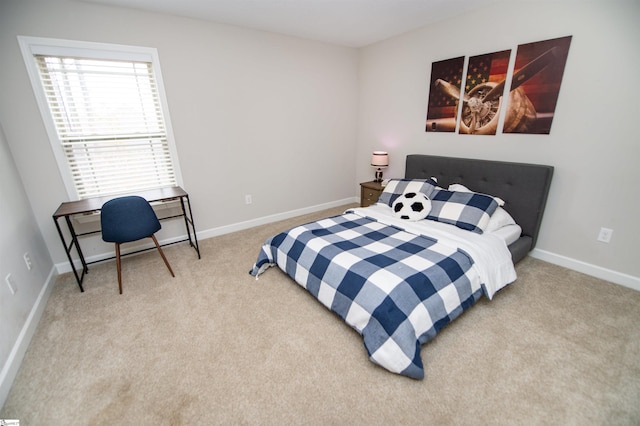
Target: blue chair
127,219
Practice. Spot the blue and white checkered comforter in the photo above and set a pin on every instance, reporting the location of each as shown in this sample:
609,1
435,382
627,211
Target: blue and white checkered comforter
396,288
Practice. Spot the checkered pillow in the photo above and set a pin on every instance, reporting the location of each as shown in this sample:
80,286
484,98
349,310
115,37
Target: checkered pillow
466,210
397,187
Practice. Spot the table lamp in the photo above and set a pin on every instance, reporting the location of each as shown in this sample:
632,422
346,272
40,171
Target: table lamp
379,159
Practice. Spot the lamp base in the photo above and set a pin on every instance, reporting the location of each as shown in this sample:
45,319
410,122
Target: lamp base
378,175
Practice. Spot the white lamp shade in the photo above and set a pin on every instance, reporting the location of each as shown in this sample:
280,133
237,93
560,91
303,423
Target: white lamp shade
379,159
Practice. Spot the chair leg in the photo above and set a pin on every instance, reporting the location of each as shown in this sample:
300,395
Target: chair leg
118,266
166,262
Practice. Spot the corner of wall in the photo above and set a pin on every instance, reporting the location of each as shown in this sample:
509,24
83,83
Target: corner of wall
12,365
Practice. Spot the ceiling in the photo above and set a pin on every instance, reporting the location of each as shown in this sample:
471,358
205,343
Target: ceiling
352,23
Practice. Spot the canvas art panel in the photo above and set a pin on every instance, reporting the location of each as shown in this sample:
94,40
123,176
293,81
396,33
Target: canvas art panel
484,86
535,86
444,92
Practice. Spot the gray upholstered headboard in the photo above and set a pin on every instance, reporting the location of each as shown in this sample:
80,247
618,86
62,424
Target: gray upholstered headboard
523,187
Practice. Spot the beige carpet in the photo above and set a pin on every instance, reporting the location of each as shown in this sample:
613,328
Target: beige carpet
215,346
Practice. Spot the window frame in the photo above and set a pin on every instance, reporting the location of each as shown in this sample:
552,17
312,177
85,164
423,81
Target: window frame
31,46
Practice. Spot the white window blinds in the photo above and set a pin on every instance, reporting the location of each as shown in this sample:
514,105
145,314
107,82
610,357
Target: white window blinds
109,120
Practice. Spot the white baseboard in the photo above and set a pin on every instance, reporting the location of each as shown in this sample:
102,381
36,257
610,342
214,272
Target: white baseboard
64,267
214,232
11,367
587,268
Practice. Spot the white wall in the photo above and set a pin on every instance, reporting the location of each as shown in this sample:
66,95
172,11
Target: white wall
252,112
19,234
593,145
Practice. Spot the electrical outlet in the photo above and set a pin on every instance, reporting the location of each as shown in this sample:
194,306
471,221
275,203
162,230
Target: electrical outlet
605,235
27,260
247,199
11,283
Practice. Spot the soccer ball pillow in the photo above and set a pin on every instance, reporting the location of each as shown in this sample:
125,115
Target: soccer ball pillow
412,206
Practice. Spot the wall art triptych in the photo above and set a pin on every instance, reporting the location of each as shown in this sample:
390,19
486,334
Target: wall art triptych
472,101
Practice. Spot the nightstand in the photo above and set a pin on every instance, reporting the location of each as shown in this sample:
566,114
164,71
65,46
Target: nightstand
369,193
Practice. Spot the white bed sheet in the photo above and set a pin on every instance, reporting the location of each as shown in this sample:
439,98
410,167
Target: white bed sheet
492,259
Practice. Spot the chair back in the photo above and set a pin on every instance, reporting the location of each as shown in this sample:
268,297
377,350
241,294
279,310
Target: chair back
126,219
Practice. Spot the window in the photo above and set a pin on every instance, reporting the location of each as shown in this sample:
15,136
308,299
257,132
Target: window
105,113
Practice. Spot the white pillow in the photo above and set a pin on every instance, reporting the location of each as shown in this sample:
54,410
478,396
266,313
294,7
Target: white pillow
499,218
509,234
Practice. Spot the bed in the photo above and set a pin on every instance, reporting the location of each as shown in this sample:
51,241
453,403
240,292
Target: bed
438,240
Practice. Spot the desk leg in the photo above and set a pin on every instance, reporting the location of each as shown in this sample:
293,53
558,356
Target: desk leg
67,249
189,220
85,268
